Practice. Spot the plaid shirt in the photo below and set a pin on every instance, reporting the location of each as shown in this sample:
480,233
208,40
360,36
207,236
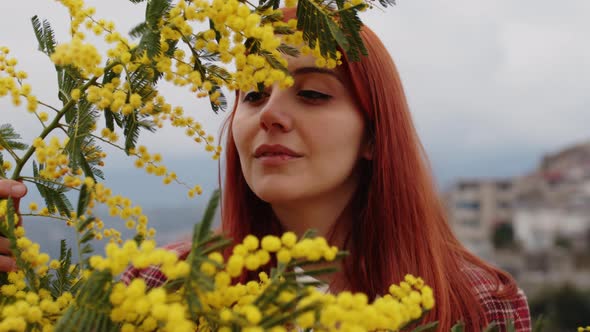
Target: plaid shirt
496,309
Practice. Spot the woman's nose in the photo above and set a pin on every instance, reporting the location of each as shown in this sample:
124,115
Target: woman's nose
274,114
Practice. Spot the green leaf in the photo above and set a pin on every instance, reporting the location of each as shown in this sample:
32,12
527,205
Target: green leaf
539,324
270,18
204,227
88,235
83,200
86,249
131,131
264,5
459,327
44,34
92,308
283,30
63,278
212,27
351,23
155,11
49,38
83,224
274,62
82,151
386,3
492,327
150,42
312,19
138,30
510,326
52,193
427,327
68,78
38,29
10,139
338,34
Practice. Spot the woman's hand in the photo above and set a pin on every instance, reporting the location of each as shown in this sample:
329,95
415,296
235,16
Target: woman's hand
16,190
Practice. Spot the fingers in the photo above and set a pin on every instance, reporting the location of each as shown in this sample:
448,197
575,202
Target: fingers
7,264
11,188
14,189
4,246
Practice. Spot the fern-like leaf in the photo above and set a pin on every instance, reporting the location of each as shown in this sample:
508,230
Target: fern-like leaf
83,201
68,78
9,138
204,228
92,308
387,3
138,30
312,19
131,131
49,38
288,50
155,11
150,42
274,62
263,5
351,23
38,29
63,278
53,194
44,34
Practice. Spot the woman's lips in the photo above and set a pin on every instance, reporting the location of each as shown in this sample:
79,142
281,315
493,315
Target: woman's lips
276,159
275,155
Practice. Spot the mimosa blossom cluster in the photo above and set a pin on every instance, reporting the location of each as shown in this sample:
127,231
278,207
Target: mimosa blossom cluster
227,305
239,50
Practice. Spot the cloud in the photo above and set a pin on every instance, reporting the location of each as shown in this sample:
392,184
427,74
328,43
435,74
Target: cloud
500,81
490,84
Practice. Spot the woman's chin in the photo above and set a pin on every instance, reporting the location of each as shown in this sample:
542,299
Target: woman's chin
276,194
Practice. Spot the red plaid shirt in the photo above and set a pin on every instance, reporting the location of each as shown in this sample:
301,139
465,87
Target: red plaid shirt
496,309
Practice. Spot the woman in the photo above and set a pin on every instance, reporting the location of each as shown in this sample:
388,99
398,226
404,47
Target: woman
337,152
349,164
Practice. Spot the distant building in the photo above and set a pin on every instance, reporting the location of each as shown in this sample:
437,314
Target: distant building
475,207
549,210
552,204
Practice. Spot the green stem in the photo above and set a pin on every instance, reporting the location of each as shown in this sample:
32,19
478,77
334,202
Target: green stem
36,180
44,216
53,125
7,147
47,105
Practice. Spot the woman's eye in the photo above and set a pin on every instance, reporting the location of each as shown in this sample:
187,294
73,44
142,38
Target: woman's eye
255,96
313,95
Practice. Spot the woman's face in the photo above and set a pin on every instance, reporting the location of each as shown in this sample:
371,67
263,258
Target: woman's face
302,142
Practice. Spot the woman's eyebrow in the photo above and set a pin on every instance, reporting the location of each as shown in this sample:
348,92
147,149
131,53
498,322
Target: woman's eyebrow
308,70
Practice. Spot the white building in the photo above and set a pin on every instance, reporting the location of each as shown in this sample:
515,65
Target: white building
538,229
475,207
554,201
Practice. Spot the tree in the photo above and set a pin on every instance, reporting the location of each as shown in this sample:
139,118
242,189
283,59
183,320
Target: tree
503,236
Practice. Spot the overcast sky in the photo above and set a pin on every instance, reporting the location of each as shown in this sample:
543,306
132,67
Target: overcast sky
492,85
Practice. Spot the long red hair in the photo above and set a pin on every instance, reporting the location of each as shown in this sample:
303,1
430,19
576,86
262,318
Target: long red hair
400,225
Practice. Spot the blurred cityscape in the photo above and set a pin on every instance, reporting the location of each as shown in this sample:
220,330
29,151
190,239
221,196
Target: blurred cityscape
535,226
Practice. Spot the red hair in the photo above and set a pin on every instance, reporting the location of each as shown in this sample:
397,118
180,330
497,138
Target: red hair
400,225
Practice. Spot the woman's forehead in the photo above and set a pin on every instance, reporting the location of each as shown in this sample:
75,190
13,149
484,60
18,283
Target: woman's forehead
295,62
